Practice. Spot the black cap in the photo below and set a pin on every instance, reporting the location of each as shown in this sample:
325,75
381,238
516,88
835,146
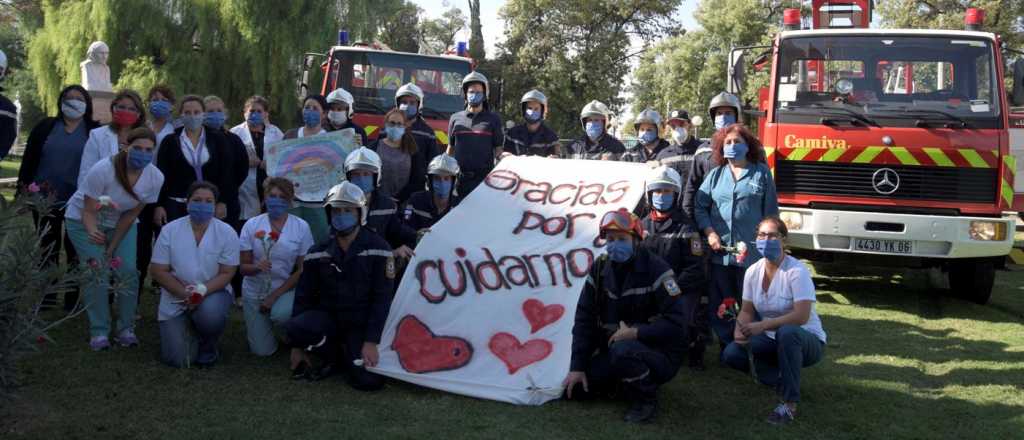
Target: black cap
679,114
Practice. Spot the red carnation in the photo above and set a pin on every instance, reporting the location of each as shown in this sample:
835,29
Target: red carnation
116,262
274,235
195,299
729,302
260,234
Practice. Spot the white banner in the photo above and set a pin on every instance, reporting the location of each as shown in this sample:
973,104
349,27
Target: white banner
486,307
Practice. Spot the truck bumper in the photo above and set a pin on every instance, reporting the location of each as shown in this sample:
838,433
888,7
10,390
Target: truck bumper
927,236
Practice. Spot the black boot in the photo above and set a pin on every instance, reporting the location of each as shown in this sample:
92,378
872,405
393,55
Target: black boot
641,411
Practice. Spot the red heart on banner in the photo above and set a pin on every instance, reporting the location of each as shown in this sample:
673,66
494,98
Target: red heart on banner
516,355
540,315
421,351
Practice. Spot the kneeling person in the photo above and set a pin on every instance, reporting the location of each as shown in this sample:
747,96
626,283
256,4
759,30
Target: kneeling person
426,207
630,325
343,295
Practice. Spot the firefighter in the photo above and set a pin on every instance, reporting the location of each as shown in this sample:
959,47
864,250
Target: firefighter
533,137
669,234
630,325
724,109
410,99
343,296
340,105
682,143
596,143
8,114
362,168
648,145
425,208
476,134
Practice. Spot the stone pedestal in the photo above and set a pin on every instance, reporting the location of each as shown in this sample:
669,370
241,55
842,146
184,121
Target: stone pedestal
101,106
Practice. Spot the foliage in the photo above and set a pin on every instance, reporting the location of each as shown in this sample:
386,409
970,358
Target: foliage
399,30
575,51
437,35
476,34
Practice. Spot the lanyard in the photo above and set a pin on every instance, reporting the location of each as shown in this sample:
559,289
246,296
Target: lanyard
197,154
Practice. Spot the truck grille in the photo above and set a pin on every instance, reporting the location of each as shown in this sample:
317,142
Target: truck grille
973,185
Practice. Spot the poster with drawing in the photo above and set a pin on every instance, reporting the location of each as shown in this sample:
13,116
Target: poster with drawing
486,307
314,163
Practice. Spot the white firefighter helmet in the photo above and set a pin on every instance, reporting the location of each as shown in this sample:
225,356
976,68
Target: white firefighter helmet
342,95
363,159
475,77
535,95
346,194
724,99
409,89
3,64
647,116
663,177
444,165
595,108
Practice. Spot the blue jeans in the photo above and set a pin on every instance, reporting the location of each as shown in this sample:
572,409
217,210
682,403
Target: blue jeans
778,361
726,282
191,337
96,291
259,328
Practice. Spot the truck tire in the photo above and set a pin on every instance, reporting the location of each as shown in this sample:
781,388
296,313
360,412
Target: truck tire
972,279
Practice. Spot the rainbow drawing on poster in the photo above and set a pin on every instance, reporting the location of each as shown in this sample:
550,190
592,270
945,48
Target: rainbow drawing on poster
314,164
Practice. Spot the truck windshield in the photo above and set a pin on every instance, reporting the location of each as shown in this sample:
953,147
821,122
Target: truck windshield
892,80
374,77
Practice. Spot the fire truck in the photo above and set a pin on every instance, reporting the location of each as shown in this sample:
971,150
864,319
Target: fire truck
372,72
893,147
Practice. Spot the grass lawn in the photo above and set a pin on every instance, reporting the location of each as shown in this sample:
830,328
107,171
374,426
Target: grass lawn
902,362
9,168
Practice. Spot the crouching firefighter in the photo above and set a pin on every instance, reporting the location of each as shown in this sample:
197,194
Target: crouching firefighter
343,296
630,326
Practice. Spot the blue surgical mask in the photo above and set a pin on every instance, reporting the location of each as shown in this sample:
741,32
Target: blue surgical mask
395,133
214,120
648,136
193,122
594,129
200,212
474,98
735,151
663,201
344,222
73,108
620,251
364,183
138,159
680,135
724,120
771,249
255,118
160,109
277,207
411,110
311,118
442,188
532,115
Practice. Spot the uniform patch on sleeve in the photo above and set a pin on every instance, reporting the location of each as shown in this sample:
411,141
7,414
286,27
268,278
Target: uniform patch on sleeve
671,287
389,268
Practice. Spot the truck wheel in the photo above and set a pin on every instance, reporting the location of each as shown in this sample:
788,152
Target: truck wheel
972,279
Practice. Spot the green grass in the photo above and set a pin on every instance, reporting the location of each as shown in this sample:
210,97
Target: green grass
902,362
9,168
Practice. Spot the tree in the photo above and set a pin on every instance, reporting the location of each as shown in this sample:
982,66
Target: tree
400,30
476,34
576,51
438,35
1005,18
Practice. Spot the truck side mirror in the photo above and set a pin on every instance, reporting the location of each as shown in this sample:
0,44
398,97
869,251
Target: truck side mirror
1017,95
737,77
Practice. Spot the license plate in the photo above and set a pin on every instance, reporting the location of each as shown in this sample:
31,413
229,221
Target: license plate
884,246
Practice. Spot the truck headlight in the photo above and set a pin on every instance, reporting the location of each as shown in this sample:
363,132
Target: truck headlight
987,231
793,220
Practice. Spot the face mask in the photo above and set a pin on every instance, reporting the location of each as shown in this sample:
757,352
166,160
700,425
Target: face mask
337,117
311,118
395,133
193,122
664,201
124,118
475,98
410,110
532,115
771,249
344,222
442,188
724,120
214,120
73,108
364,183
594,129
620,251
138,159
160,109
255,119
277,207
680,135
200,212
735,151
648,136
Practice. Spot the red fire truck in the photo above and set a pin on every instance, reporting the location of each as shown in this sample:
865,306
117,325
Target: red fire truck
893,147
373,73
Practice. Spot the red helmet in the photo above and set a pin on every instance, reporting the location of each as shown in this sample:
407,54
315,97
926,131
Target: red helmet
621,220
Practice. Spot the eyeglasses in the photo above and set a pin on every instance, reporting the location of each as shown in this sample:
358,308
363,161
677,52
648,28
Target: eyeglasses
768,235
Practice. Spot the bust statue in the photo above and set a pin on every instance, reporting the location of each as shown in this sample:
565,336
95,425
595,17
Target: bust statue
95,73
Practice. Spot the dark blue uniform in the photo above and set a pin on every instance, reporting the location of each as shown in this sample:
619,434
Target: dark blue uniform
384,219
680,157
521,142
639,154
699,168
426,140
342,301
349,124
8,125
677,241
583,148
643,293
421,213
473,137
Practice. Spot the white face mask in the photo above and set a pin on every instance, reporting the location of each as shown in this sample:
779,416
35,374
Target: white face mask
680,135
337,118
